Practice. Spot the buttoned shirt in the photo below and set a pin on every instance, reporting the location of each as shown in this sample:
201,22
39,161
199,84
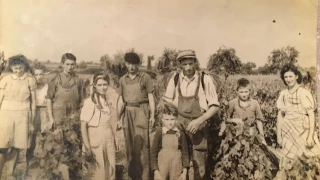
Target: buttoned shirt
207,96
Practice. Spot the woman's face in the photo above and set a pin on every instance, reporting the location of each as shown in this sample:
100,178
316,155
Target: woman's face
290,78
18,69
102,86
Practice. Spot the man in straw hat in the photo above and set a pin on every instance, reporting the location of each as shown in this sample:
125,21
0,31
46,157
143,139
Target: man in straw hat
194,93
135,92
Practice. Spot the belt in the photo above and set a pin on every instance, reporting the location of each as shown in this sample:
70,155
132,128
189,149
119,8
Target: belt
135,104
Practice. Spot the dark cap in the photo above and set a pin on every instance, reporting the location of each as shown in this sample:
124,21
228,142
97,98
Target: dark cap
186,54
132,58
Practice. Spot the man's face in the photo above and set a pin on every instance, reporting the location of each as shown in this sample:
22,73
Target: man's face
169,121
69,65
132,68
188,67
39,75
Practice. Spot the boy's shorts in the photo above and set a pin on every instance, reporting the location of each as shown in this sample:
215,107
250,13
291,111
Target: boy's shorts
14,128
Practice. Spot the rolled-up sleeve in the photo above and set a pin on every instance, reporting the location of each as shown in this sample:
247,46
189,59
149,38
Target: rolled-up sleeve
32,83
149,84
169,94
210,92
258,112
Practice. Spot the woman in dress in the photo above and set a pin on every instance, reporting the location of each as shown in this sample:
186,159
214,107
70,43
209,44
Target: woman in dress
296,119
96,129
17,111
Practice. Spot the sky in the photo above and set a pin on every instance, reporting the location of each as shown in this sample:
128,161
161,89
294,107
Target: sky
46,29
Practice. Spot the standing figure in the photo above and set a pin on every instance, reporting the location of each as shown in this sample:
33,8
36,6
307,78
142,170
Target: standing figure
97,134
64,98
17,111
169,151
196,105
40,121
296,119
137,102
64,92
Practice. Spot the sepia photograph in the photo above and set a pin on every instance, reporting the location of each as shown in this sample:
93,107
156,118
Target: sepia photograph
159,90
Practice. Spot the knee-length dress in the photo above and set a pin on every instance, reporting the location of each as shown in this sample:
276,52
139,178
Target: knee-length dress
15,110
295,126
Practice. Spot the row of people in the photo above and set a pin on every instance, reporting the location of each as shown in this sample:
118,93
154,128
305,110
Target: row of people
179,149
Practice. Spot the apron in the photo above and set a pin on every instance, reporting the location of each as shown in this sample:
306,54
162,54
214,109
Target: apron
189,108
66,101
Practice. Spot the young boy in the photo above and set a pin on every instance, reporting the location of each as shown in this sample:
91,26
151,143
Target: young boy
169,151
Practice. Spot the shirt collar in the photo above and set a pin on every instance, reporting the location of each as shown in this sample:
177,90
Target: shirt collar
15,77
194,78
72,74
165,130
138,74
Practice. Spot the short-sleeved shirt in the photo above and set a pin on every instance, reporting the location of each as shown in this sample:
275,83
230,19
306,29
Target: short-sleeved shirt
156,147
145,81
207,96
300,100
18,88
67,80
251,113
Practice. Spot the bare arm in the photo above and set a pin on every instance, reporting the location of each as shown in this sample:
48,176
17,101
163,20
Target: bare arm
152,105
33,104
85,137
311,124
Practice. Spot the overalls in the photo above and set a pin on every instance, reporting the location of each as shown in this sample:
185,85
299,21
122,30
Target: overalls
189,109
65,102
169,157
135,126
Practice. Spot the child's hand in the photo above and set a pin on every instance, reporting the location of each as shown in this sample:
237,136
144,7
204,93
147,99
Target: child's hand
157,175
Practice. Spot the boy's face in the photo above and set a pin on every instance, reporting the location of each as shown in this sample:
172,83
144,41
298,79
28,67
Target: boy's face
244,92
169,121
39,75
132,68
18,70
69,65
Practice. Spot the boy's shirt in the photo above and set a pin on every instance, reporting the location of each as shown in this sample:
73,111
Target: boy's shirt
157,145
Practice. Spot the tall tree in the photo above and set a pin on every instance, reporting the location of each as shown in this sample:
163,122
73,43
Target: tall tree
224,60
247,68
280,57
167,62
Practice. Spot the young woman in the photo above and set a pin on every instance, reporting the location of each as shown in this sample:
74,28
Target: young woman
296,119
17,111
97,134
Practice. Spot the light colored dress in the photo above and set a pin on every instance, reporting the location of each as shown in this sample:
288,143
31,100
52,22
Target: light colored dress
100,134
15,110
295,127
